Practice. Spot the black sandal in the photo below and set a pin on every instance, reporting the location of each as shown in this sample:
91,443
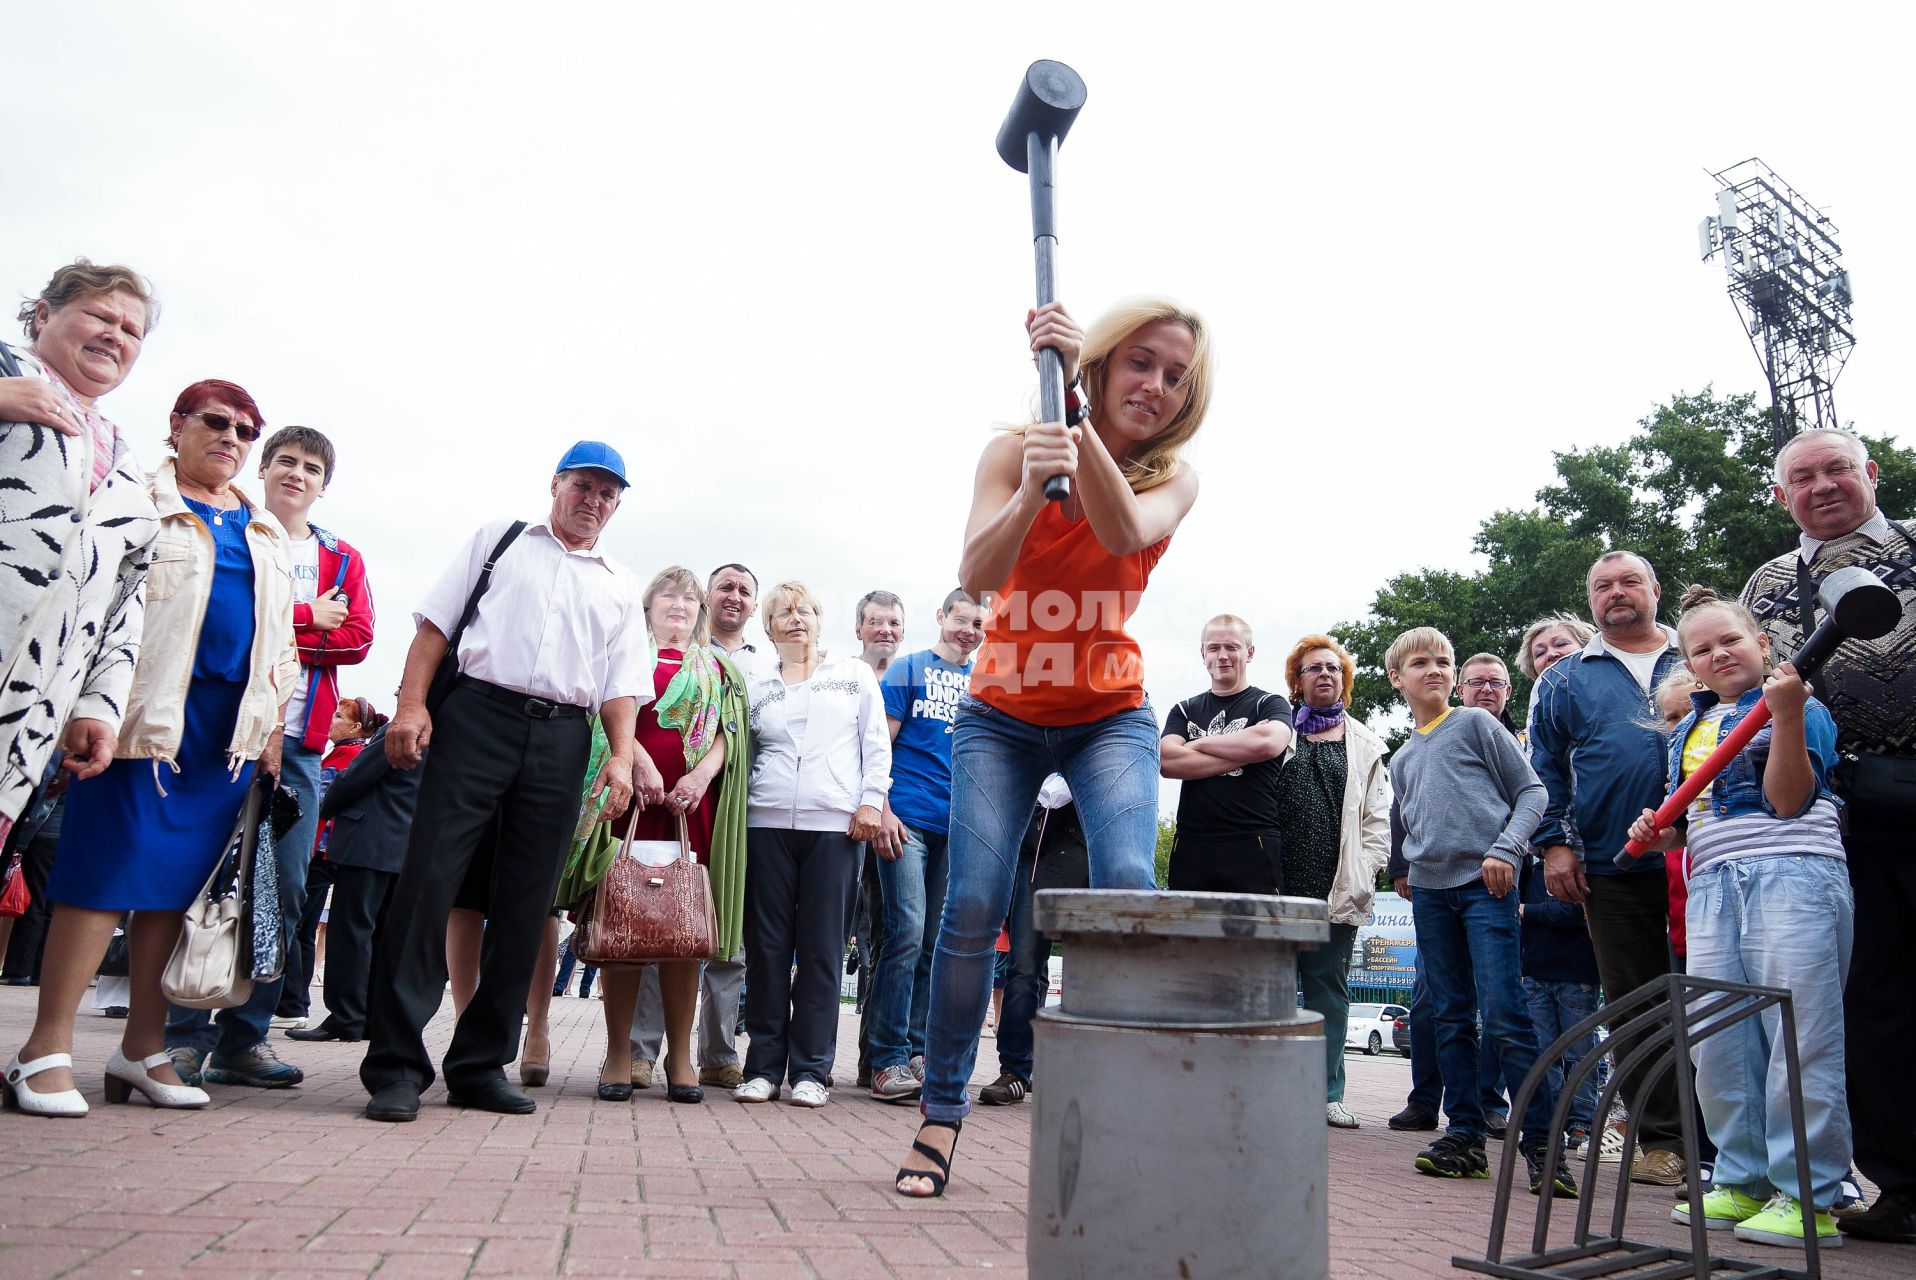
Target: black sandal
939,1176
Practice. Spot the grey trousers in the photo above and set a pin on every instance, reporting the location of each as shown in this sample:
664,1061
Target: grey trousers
721,982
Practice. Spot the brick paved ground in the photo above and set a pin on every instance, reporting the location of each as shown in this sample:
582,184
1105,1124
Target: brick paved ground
296,1183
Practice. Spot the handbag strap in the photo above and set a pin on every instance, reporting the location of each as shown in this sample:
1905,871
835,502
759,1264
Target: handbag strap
685,841
479,587
247,826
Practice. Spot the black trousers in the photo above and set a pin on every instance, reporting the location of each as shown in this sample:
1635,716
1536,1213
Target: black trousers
869,929
360,895
1226,864
1630,930
1879,1031
489,762
29,941
296,993
799,887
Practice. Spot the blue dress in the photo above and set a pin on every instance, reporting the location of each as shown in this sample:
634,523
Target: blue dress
125,846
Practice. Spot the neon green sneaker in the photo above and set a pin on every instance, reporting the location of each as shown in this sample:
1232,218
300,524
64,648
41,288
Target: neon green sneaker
1722,1209
1781,1222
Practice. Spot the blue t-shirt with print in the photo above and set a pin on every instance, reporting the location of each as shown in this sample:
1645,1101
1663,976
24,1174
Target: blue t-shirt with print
922,693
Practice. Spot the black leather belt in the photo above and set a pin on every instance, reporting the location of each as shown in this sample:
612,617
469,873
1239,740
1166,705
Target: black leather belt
530,707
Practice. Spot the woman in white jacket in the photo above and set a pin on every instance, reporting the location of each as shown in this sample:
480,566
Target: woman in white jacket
1334,805
821,766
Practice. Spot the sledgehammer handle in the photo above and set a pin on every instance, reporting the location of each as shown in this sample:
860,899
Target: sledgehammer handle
1041,154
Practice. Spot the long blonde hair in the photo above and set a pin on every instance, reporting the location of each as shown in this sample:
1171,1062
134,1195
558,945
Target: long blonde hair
1157,460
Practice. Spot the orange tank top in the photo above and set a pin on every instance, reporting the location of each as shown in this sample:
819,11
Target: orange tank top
1056,651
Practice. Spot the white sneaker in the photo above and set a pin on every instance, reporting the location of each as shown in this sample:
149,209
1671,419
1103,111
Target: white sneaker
1339,1116
758,1089
1611,1149
917,1065
286,1024
809,1093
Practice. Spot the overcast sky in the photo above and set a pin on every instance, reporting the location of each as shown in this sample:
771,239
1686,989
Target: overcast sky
771,254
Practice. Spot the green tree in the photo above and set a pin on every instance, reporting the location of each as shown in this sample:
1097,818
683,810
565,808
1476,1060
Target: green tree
1167,836
1691,491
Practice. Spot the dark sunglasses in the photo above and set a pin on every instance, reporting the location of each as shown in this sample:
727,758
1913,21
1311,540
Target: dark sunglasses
217,423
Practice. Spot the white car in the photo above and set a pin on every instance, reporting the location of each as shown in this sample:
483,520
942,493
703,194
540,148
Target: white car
1369,1026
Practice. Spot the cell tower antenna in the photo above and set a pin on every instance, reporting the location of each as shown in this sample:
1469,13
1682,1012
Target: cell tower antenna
1789,287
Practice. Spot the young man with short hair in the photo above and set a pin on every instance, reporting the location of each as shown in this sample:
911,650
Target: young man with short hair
922,692
1469,802
333,627
1226,746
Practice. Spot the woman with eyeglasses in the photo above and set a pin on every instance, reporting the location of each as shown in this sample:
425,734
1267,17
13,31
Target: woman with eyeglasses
216,665
1333,796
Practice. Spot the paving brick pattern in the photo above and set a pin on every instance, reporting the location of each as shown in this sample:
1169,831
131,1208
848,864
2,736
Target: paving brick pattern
296,1183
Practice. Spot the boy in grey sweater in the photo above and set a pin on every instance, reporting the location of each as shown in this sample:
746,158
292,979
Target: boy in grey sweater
1469,803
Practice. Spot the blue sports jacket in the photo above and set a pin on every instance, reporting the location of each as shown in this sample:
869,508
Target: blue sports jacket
1596,741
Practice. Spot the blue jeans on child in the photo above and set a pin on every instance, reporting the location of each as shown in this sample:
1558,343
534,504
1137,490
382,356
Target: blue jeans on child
998,763
1782,921
231,1032
1469,942
1555,1007
914,897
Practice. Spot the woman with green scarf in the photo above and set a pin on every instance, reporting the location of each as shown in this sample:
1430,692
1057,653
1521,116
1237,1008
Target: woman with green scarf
695,734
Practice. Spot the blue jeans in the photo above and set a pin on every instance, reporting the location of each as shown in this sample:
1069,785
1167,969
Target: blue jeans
228,1033
1469,942
998,763
1323,979
1782,921
914,898
1555,1007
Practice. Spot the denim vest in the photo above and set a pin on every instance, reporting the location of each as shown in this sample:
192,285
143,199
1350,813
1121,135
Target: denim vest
1738,790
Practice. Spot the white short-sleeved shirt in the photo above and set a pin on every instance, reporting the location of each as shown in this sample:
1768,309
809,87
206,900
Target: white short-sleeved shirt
562,625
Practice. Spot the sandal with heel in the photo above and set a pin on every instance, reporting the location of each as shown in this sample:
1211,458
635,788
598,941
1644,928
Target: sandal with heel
942,1174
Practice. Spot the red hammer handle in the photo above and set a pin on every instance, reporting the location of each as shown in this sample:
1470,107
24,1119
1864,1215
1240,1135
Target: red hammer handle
1692,787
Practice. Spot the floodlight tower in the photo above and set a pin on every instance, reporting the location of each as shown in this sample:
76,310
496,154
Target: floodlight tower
1789,287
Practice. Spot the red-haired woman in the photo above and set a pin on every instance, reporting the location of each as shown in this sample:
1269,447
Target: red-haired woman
1333,797
216,664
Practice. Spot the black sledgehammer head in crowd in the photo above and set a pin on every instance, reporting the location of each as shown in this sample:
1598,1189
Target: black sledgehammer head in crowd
1048,101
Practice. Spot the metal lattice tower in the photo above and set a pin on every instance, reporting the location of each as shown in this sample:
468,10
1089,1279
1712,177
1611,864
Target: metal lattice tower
1788,285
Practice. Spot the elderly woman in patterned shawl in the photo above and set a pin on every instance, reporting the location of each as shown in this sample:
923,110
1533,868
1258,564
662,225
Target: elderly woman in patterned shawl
695,734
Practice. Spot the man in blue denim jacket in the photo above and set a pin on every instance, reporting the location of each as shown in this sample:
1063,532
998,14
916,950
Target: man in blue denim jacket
1596,744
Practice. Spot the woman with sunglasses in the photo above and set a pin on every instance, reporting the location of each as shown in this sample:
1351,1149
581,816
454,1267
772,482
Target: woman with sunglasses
216,664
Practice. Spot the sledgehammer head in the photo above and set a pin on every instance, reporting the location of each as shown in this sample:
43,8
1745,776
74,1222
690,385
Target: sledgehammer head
1047,102
1862,607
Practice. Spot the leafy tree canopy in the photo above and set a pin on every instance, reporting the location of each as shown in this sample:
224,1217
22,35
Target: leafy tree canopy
1691,490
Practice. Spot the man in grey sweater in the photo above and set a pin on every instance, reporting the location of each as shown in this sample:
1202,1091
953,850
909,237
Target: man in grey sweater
1469,803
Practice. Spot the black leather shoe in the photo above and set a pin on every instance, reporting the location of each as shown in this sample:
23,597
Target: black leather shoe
396,1102
492,1095
1413,1119
616,1092
324,1031
1891,1218
684,1093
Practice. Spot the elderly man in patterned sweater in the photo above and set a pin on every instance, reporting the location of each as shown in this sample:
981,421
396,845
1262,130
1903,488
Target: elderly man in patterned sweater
1827,482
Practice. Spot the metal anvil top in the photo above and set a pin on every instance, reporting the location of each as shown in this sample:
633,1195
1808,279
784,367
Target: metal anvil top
1141,958
1240,917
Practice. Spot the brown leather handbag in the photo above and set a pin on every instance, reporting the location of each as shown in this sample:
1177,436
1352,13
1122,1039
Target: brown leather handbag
641,914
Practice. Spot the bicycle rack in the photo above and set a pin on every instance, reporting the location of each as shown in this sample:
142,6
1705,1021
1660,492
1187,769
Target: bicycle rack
1660,1020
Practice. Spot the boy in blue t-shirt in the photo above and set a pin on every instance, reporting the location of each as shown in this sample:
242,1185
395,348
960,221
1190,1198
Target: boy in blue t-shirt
922,692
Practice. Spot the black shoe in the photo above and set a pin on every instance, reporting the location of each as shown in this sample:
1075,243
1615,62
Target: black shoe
1453,1156
684,1093
494,1095
615,1092
324,1031
1891,1218
1562,1185
396,1102
116,1011
1412,1118
1007,1090
1496,1124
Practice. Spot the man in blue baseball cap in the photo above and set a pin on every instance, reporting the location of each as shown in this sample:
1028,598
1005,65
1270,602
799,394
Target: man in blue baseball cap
544,630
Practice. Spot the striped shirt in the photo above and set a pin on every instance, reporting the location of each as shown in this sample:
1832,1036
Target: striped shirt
1713,838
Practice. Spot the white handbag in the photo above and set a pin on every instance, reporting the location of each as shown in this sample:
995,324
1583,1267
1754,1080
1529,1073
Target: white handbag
208,968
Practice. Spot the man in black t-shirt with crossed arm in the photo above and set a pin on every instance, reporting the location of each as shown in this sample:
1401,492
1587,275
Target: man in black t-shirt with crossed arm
1226,746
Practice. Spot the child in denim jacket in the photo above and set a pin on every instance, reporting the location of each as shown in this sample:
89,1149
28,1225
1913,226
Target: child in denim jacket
1769,904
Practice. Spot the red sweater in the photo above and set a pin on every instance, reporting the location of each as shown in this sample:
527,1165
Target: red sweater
349,642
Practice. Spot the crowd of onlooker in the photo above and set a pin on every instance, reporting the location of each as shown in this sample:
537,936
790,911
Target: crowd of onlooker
172,640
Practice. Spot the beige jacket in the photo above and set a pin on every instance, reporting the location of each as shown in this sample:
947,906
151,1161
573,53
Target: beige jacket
1363,826
179,582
